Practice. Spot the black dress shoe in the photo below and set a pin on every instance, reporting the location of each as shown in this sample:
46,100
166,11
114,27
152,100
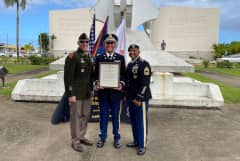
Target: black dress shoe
86,142
117,144
100,143
132,145
141,151
77,147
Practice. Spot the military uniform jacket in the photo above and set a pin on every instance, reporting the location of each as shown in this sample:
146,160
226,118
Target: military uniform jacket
138,80
114,94
78,75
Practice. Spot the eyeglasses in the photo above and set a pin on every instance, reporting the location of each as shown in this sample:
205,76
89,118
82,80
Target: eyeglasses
84,41
110,42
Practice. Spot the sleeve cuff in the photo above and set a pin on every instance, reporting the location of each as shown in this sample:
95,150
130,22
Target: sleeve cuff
123,83
95,82
139,97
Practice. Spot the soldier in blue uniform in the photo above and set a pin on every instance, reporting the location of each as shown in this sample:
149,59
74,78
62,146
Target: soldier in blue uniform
138,95
109,98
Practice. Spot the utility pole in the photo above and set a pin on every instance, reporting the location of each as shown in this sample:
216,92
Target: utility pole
40,37
6,51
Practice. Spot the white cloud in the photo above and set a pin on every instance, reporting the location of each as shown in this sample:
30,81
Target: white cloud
65,3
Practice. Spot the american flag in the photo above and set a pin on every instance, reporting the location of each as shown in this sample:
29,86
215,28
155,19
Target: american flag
92,35
99,44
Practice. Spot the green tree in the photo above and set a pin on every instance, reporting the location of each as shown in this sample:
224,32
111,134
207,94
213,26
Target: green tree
52,37
234,47
28,47
18,3
219,50
43,40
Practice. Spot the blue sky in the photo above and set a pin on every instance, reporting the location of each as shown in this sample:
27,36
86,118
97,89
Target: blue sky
34,19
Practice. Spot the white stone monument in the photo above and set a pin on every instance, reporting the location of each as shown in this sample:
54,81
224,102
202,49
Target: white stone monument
166,89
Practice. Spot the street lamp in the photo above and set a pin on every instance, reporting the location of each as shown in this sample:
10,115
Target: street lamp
6,49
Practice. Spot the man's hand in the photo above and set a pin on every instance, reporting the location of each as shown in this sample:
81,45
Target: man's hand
72,99
119,88
136,102
98,85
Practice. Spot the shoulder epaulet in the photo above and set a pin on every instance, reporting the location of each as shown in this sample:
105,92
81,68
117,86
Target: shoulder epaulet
144,61
141,60
71,55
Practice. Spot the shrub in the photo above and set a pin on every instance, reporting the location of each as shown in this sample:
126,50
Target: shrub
4,59
237,65
48,60
22,60
192,57
35,60
205,63
224,64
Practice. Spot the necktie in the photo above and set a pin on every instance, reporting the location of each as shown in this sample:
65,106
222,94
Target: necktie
109,57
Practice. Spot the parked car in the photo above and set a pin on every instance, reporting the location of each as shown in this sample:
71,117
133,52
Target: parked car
14,55
235,58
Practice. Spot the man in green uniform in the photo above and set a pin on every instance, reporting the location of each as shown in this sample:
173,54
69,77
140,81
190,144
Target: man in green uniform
78,80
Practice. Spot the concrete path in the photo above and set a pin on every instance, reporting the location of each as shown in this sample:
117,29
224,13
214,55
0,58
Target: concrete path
176,134
225,78
24,75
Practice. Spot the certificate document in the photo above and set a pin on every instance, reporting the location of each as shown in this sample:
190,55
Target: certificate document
109,74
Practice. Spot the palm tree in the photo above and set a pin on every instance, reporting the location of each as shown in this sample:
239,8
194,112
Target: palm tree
19,3
43,40
52,37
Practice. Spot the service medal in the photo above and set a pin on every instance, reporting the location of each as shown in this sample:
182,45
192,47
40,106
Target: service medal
82,61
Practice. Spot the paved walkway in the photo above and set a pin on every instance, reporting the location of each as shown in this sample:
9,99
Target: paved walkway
176,134
225,78
25,75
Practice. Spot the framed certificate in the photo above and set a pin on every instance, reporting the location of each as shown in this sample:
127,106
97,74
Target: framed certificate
109,74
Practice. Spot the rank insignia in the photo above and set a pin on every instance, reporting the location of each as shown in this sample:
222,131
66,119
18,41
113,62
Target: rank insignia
146,71
71,55
82,61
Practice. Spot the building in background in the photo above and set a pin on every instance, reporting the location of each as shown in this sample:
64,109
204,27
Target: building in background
186,30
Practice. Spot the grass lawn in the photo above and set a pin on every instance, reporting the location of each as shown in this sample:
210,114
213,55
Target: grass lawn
7,90
45,74
235,71
231,94
18,68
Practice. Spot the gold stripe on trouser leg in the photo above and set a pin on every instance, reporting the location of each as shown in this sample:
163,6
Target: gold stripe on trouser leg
119,115
144,122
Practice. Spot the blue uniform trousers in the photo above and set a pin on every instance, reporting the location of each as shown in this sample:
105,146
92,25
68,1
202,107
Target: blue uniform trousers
114,105
139,122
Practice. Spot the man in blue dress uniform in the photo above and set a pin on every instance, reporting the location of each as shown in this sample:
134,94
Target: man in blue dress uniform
109,98
138,95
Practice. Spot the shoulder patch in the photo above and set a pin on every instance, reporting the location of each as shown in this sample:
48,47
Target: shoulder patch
71,55
146,71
